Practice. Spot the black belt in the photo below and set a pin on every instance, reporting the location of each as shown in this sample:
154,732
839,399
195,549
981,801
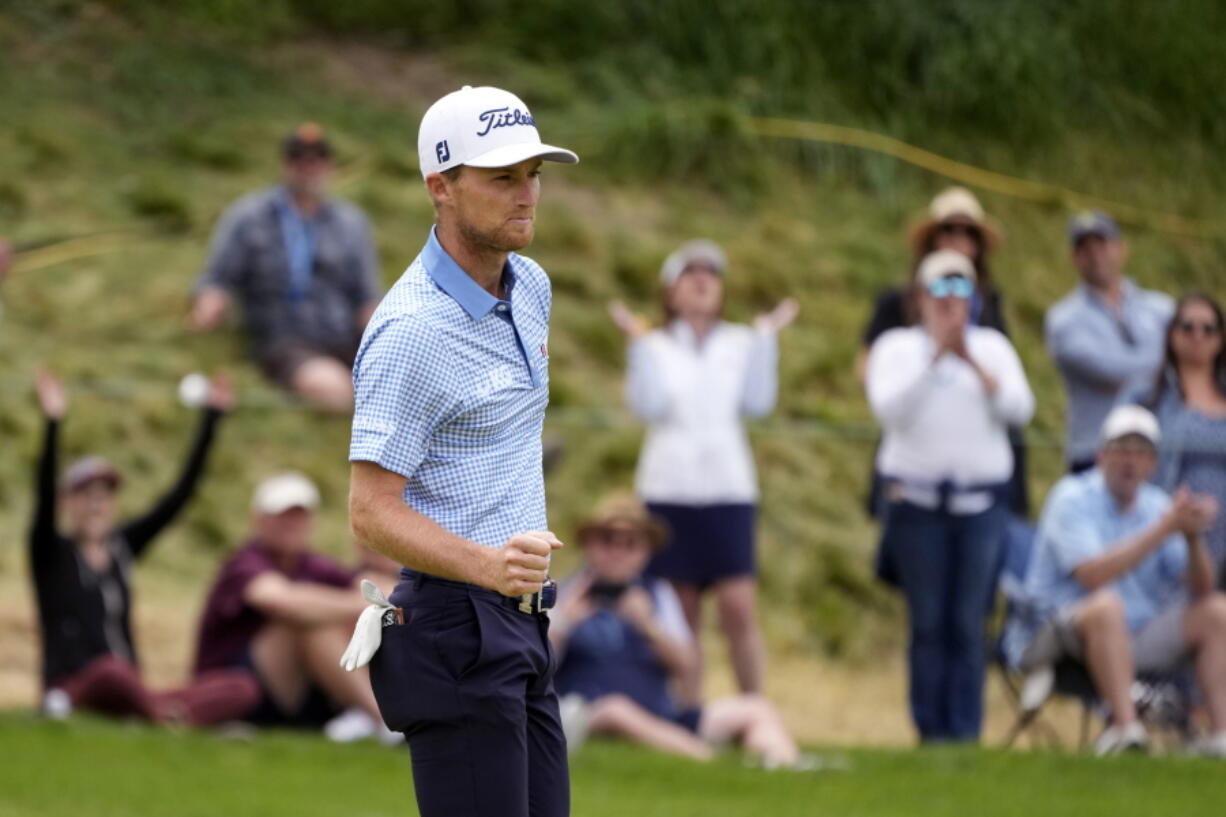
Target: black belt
530,603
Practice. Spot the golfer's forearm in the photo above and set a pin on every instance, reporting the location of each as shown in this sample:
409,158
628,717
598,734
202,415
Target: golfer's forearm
390,527
1101,570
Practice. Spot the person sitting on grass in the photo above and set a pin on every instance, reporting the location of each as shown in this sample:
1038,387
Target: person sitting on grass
82,579
623,641
284,613
1121,581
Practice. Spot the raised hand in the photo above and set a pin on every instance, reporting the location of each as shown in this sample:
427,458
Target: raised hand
778,318
523,564
52,398
632,324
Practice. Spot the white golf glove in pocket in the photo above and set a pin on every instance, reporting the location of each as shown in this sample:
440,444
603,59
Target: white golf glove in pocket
368,634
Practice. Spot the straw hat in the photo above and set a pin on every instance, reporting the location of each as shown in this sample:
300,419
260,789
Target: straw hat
625,511
956,205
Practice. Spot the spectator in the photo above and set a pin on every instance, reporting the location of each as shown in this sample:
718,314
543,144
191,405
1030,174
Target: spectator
955,221
81,582
692,381
1189,399
945,393
1105,336
1114,562
623,640
304,267
284,613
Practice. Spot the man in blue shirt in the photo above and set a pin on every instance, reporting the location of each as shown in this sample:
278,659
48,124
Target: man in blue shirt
1121,580
1106,336
450,385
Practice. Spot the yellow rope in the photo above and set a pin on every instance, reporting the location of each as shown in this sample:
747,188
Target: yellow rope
975,176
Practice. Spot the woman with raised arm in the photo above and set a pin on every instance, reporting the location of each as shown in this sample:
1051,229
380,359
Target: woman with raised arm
693,381
82,573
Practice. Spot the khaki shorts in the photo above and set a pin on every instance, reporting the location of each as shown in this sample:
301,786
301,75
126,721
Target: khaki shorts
1159,646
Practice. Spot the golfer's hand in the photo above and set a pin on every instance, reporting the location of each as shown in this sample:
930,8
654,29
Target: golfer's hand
522,565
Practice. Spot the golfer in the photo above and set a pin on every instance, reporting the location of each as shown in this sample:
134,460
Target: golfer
451,383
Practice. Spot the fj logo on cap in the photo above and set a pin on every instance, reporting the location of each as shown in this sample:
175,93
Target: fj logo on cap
442,151
504,118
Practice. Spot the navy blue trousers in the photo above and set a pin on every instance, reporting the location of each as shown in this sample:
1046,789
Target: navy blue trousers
469,680
947,567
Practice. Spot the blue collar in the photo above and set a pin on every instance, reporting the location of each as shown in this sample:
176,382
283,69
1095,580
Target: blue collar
457,283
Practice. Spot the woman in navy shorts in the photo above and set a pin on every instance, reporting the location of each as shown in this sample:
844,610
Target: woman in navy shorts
692,381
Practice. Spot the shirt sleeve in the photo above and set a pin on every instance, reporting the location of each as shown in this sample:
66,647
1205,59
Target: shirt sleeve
761,386
1013,402
403,391
1083,354
897,380
227,257
1072,534
646,393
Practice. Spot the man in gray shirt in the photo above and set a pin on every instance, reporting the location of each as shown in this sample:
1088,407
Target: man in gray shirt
304,268
1105,336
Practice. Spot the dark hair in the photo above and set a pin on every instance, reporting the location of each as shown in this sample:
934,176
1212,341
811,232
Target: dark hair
1170,364
911,290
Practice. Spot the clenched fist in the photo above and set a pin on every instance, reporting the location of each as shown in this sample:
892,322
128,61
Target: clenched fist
522,565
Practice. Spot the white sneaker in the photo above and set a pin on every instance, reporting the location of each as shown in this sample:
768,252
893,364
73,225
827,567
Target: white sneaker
350,725
576,716
1115,740
1211,746
57,706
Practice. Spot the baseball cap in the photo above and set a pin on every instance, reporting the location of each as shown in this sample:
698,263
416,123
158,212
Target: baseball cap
701,251
941,263
481,127
281,492
1092,223
307,138
1124,421
88,469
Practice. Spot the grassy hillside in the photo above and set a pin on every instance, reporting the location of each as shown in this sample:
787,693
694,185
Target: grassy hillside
138,126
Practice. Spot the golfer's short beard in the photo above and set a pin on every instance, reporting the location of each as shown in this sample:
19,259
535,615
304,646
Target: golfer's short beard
496,240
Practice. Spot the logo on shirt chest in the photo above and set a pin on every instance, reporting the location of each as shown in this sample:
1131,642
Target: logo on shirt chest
496,380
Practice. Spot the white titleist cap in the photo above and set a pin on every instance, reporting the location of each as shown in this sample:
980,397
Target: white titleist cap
698,251
1124,421
481,127
279,493
939,264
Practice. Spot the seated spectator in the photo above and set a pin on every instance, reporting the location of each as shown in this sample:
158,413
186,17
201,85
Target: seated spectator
81,581
1189,400
304,268
1121,581
1105,337
945,393
623,642
285,614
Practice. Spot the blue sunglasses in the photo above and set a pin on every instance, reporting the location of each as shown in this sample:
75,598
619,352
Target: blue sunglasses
955,286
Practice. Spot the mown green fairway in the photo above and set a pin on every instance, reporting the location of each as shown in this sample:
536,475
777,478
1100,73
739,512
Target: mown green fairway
95,769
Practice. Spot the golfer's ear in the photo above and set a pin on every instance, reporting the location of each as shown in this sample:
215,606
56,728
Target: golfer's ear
439,189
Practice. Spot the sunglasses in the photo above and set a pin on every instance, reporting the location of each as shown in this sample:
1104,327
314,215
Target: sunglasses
953,228
954,286
1191,328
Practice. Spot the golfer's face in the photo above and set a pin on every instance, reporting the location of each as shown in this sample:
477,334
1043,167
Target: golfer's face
496,207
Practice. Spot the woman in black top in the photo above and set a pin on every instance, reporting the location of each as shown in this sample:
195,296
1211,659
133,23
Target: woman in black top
81,580
955,221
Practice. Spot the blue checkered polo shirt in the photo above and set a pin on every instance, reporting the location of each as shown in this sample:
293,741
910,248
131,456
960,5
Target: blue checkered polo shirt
450,388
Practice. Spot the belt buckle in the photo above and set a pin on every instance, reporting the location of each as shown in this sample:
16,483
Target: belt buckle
540,602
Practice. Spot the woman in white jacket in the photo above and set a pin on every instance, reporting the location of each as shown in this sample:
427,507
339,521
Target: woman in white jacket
946,393
692,381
